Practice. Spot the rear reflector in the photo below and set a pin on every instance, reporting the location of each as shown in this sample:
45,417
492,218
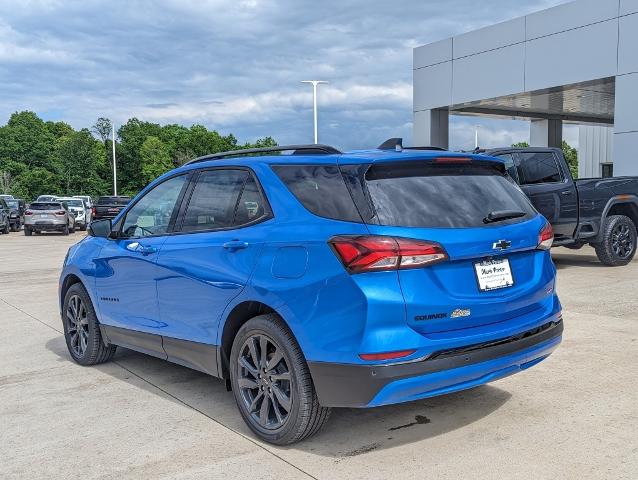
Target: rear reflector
386,355
369,253
546,237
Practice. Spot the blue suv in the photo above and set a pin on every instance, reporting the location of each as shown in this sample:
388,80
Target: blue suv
307,278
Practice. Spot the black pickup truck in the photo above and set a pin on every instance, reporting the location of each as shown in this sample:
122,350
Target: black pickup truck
109,207
601,212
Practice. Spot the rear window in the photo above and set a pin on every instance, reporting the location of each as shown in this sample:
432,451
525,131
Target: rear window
113,201
321,189
425,195
73,203
45,206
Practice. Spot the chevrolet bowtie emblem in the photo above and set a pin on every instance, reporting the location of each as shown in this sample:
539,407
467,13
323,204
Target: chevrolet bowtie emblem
502,245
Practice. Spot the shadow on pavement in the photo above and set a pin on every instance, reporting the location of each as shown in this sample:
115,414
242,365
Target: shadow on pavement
564,260
349,432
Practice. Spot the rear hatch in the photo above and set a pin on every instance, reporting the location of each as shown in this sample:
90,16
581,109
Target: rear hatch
46,212
487,228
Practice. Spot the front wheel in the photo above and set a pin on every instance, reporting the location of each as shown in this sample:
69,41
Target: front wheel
81,329
618,246
272,384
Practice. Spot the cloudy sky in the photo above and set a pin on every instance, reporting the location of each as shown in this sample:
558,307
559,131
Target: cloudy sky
236,66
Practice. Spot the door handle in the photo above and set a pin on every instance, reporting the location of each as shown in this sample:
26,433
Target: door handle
139,248
235,245
566,192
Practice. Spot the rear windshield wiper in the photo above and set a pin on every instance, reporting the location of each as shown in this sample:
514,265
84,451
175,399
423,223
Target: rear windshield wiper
503,215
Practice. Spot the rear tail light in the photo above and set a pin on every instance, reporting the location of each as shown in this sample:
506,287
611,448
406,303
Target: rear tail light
370,253
93,210
386,355
546,237
28,212
60,212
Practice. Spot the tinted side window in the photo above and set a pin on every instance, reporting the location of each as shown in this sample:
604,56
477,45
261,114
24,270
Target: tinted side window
321,189
212,204
151,215
538,168
252,205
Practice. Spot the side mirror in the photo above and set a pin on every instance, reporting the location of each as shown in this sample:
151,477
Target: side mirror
100,228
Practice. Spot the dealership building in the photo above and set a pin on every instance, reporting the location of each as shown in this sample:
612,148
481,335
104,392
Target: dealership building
576,63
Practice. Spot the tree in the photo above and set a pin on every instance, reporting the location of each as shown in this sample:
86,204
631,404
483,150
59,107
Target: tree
79,157
6,181
155,159
36,181
102,128
27,139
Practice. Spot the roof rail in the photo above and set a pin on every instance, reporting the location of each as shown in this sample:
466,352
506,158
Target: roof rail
397,144
316,149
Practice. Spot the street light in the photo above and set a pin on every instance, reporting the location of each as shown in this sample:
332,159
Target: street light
314,101
114,164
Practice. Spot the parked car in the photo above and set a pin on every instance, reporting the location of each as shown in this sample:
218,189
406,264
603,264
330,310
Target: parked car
88,204
601,212
5,223
48,216
78,210
109,207
321,279
16,213
46,198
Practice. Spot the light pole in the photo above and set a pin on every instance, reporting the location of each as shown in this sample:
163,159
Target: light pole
314,102
114,163
476,137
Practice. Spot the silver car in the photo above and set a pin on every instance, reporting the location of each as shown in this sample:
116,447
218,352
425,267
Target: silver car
78,209
88,202
48,216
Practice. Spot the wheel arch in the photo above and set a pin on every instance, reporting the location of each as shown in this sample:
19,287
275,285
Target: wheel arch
238,316
619,205
69,280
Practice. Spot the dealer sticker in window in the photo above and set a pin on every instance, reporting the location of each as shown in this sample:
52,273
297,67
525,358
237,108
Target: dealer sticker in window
494,274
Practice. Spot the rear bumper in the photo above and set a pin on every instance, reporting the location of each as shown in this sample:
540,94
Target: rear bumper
348,385
46,226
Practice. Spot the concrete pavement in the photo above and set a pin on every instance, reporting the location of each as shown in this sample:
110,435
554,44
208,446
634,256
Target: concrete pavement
573,416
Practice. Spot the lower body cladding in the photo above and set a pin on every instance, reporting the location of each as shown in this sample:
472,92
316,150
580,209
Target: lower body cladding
361,386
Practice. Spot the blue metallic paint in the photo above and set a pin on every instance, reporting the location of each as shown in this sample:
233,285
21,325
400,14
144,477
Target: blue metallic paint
188,288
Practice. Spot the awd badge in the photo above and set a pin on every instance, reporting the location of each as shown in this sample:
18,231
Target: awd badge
461,312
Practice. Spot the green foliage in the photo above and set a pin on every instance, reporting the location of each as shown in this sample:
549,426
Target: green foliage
38,157
569,152
571,157
155,159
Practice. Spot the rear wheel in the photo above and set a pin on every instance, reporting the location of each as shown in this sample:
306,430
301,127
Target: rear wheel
619,241
81,329
272,384
65,230
27,231
7,228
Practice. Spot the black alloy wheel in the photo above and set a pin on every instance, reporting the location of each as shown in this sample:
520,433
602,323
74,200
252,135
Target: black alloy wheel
77,324
263,378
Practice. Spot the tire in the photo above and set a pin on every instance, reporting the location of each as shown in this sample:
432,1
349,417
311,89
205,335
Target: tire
83,228
305,416
72,229
618,247
87,347
65,230
27,231
15,228
6,229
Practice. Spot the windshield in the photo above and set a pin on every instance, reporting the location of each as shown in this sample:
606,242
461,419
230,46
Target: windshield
45,206
444,196
12,203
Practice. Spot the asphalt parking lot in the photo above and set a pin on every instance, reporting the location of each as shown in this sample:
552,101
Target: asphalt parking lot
572,416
